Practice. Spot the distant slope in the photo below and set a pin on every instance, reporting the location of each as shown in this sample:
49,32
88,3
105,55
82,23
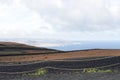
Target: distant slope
13,48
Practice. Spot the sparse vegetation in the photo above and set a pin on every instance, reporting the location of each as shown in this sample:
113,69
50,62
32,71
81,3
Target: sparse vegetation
39,72
95,70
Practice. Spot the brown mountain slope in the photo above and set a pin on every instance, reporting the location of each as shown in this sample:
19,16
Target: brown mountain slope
13,44
13,48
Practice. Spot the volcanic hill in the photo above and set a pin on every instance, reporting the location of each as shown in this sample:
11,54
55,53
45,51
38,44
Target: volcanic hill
17,52
13,48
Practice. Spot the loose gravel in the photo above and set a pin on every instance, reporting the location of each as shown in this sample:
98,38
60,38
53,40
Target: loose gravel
62,75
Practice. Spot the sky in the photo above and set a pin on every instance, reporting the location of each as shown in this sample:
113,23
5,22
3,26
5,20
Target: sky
80,20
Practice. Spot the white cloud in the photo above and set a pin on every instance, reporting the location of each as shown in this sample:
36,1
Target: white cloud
73,14
16,20
60,19
48,44
54,43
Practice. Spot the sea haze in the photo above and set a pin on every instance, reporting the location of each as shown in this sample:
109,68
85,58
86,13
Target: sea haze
67,45
90,45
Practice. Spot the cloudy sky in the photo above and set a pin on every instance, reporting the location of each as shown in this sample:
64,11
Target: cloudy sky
60,19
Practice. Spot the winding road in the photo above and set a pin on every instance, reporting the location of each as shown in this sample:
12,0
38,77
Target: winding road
63,64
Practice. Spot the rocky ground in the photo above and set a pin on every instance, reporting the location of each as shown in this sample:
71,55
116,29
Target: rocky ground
62,75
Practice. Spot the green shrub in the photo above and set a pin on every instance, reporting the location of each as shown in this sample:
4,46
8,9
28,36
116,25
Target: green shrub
39,72
95,70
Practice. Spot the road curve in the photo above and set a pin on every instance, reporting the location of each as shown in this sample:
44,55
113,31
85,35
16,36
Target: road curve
78,64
